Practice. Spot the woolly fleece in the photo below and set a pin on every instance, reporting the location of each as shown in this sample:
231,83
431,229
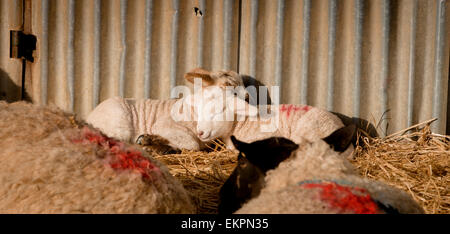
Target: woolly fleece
48,166
317,163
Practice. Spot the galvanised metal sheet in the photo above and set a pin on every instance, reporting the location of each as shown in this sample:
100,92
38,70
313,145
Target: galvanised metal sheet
362,58
92,50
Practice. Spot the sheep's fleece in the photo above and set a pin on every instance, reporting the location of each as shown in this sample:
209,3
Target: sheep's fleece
317,179
50,163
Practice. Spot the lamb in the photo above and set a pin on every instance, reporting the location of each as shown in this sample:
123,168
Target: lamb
218,109
295,122
317,179
247,179
54,163
126,119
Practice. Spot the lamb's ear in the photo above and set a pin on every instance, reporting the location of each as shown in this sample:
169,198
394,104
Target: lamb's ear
241,146
241,107
203,74
342,138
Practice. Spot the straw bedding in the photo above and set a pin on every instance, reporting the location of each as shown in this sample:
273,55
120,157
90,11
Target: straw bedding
416,161
202,174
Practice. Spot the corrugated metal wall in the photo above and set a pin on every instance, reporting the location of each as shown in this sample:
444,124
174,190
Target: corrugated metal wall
92,50
10,69
357,57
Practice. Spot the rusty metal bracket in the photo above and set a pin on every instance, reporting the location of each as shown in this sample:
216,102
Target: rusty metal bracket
22,45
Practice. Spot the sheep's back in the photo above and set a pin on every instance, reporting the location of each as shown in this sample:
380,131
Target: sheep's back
299,123
26,123
73,170
318,164
313,124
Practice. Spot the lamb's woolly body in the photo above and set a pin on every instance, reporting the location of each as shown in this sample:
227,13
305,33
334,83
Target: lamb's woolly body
49,167
298,124
317,163
126,119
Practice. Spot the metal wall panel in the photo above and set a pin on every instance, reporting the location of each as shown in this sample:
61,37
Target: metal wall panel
11,18
92,50
357,57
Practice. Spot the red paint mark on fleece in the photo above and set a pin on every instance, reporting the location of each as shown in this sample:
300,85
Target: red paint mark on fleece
343,198
122,157
291,107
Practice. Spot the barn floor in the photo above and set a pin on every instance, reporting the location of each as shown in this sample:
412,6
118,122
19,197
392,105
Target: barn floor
417,162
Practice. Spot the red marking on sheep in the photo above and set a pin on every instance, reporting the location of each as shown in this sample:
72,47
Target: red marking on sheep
345,199
121,157
294,108
306,108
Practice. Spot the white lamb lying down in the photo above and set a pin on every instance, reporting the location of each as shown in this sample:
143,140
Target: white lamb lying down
218,109
313,179
126,119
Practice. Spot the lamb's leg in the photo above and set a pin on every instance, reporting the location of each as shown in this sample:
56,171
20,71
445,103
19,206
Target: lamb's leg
230,145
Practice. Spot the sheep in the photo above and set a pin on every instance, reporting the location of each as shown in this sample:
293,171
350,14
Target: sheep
247,178
295,122
317,179
126,118
253,95
253,88
54,163
291,121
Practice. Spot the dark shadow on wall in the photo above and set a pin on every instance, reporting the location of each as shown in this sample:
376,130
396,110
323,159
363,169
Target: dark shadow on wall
9,91
254,96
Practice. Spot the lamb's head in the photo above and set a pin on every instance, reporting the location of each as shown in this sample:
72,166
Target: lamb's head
217,102
254,160
266,154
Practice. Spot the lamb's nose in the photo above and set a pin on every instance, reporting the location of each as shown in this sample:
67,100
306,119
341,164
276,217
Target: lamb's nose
200,133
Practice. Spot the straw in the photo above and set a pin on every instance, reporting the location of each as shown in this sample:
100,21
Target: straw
414,160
